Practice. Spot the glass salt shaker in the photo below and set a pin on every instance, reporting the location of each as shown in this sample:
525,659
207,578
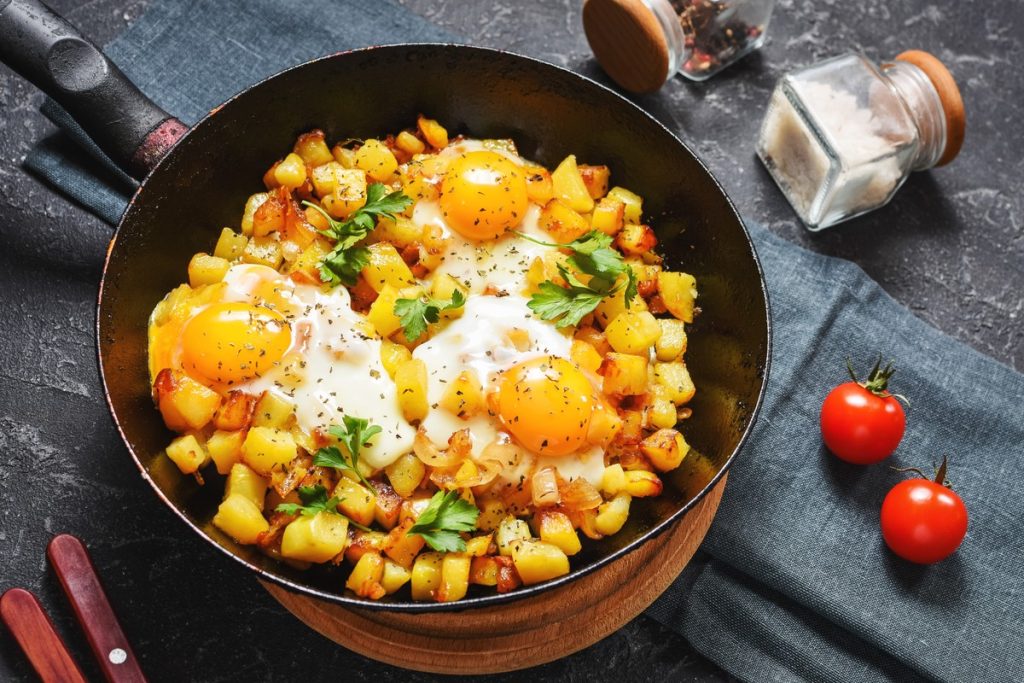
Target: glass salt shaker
643,43
840,137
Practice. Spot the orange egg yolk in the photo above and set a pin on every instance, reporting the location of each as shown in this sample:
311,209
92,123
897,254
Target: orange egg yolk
483,194
229,343
546,403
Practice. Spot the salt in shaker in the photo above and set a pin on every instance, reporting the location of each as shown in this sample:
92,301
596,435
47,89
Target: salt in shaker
841,136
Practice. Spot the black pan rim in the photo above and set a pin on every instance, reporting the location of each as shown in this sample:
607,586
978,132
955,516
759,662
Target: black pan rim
493,599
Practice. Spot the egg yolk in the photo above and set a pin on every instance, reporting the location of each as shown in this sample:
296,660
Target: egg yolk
233,342
546,403
483,195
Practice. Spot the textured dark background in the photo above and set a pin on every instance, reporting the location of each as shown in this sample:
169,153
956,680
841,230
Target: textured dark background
950,246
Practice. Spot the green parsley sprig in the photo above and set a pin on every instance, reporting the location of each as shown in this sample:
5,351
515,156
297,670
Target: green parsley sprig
416,314
592,255
442,520
354,433
346,260
314,501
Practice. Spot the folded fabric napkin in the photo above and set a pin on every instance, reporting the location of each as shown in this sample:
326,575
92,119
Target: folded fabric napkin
794,581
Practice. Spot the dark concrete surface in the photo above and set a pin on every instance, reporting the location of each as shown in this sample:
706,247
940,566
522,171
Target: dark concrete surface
950,246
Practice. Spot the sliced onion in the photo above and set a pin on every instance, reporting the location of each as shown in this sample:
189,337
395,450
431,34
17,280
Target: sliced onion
487,471
544,487
429,454
579,494
503,450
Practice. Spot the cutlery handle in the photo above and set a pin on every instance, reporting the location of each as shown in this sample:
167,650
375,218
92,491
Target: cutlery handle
82,586
35,634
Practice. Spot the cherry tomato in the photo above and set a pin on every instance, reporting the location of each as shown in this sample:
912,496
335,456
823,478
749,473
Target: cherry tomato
861,422
923,521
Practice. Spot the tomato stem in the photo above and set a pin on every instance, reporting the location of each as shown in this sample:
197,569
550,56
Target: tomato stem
940,473
878,379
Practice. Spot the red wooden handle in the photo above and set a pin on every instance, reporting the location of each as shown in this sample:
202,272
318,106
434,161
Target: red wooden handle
34,631
78,577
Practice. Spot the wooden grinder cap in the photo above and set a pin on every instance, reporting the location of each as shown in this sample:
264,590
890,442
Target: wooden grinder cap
628,42
949,95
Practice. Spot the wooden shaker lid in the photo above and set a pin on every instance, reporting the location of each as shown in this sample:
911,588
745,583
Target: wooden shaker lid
949,95
628,42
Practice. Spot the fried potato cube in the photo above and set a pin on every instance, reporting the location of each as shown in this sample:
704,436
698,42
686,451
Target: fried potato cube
605,425
483,571
454,577
662,413
387,505
411,382
537,561
272,410
263,251
348,194
185,404
539,187
433,132
555,527
611,306
382,311
312,148
244,481
492,512
569,187
327,176
187,453
594,337
510,532
308,260
679,292
613,480
270,216
392,355
240,519
665,448
386,267
478,546
230,245
356,501
642,484
374,157
291,172
402,546
399,231
672,342
405,474
635,239
361,542
204,269
464,397
595,178
633,203
633,332
624,374
316,538
394,576
265,448
252,204
366,576
225,449
344,156
444,287
585,355
608,216
409,143
562,222
676,379
426,576
611,516
235,413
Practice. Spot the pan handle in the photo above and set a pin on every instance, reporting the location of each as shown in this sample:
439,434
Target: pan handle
48,51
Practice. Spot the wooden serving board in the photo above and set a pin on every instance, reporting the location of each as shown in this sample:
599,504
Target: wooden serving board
521,634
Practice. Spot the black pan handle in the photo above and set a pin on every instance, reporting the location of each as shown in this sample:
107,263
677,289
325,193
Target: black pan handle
48,51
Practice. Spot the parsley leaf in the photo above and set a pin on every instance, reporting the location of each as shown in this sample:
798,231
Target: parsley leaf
346,260
314,501
416,314
593,255
442,520
354,433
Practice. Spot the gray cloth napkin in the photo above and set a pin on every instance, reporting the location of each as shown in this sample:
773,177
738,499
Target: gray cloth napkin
793,582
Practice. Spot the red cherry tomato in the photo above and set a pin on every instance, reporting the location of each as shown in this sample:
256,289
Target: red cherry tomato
861,422
923,521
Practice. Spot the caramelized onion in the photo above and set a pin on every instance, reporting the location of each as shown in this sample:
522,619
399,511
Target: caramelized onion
579,494
544,487
431,455
503,450
487,471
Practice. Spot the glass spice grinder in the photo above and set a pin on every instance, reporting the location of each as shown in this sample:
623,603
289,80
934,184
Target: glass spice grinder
840,137
643,43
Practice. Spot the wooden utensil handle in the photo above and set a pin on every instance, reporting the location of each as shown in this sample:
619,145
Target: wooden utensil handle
82,586
35,634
